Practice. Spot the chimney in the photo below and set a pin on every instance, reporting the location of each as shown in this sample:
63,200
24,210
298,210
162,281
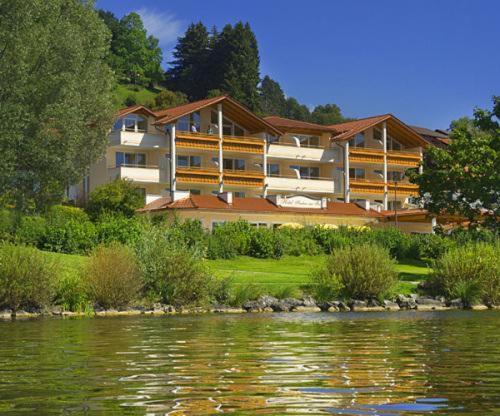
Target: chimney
227,197
176,195
364,203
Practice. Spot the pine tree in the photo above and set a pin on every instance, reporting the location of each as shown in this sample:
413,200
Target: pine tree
188,73
272,98
235,64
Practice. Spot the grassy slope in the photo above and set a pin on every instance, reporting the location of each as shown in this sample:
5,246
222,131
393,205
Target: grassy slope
141,94
272,274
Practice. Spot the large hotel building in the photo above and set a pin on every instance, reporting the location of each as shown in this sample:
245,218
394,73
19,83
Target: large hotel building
217,161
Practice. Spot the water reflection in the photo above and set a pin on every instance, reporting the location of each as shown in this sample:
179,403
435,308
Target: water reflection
349,364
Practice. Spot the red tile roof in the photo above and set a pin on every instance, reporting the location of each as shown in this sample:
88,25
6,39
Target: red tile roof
209,202
289,124
170,114
351,128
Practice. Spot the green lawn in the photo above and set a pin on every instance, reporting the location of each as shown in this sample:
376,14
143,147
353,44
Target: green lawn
142,95
271,274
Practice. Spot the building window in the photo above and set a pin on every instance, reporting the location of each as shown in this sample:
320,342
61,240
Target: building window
358,140
392,205
259,224
307,172
234,164
229,128
190,122
395,176
130,159
306,140
377,135
216,224
189,161
239,194
393,144
195,192
356,173
273,169
131,122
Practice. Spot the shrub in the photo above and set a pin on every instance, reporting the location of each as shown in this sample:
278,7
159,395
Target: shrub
471,272
7,222
432,246
297,242
31,230
329,239
265,243
229,240
27,277
191,233
69,230
112,276
119,196
71,293
360,272
221,290
118,228
173,273
287,291
246,292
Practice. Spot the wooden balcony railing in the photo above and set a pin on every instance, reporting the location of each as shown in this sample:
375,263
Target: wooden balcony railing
368,155
211,142
197,175
243,177
374,186
196,140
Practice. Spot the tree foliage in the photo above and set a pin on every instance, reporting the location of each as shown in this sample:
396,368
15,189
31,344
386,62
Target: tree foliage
167,98
117,197
464,178
134,56
272,97
55,97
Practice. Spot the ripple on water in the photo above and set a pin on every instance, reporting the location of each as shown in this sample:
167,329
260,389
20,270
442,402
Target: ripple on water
364,364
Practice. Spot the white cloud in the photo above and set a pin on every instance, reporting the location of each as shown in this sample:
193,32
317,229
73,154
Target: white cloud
162,25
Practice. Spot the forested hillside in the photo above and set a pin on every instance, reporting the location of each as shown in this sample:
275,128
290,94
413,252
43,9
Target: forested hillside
205,63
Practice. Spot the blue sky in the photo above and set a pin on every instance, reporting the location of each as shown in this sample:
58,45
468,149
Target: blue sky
426,61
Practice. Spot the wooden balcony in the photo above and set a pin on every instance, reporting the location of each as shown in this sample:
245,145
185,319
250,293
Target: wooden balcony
205,141
361,154
403,158
243,144
202,141
372,186
197,175
366,155
243,178
366,186
403,188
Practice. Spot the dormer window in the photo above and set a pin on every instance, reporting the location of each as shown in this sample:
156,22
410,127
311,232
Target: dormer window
358,140
132,122
190,122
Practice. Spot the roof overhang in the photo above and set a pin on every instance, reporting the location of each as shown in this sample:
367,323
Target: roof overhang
136,109
232,110
395,128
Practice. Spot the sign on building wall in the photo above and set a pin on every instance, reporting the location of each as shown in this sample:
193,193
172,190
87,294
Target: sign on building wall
297,201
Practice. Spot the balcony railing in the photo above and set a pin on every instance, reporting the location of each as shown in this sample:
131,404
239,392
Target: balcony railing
138,173
210,141
370,155
250,177
197,174
306,185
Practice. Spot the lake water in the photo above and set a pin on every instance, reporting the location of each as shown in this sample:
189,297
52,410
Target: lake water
402,363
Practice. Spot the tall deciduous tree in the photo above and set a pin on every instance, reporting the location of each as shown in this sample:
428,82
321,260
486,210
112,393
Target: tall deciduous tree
272,97
189,68
55,97
296,111
327,114
134,56
464,178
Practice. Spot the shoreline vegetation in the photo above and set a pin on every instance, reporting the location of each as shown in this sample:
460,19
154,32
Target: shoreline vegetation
102,261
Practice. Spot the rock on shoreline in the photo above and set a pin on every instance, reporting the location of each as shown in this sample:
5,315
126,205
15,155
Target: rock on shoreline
268,304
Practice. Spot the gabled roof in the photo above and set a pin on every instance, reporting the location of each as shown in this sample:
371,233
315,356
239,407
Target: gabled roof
289,125
210,202
349,129
135,109
436,137
232,109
